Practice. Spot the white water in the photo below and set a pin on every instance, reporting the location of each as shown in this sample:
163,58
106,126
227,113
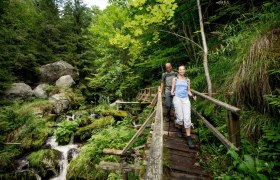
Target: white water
64,151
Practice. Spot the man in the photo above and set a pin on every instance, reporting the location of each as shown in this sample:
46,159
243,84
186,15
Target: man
166,84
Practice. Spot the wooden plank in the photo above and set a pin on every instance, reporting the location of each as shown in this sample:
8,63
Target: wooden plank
12,143
154,168
112,151
181,153
221,137
178,175
139,132
180,146
119,166
122,102
186,165
234,129
218,102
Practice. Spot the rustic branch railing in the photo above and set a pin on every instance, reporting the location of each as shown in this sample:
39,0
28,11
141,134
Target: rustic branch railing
154,166
233,123
147,94
154,169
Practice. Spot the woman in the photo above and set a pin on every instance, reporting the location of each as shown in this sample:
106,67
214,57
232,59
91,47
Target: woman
181,91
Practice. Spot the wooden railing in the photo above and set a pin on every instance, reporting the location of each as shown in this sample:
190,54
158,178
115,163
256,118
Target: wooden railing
154,166
147,94
154,169
233,124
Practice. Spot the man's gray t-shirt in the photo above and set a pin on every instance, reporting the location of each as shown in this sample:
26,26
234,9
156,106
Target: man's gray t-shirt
167,80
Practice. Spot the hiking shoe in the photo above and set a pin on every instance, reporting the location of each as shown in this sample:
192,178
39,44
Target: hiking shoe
189,142
179,133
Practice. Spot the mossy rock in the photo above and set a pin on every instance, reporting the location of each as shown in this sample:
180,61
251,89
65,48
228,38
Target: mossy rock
50,117
86,132
18,176
33,134
115,113
82,115
46,162
39,108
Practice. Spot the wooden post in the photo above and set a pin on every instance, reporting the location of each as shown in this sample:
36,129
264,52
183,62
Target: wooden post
124,173
234,128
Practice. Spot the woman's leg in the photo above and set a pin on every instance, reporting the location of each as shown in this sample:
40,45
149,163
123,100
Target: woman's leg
179,115
178,110
187,121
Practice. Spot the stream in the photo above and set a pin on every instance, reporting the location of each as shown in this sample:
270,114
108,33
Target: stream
66,150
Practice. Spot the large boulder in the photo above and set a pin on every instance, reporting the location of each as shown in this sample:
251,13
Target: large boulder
40,91
19,90
49,73
59,102
65,81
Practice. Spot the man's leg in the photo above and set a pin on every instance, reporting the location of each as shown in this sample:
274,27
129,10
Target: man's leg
168,101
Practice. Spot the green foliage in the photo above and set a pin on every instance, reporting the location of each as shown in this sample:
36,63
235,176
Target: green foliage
97,125
45,160
269,148
34,133
247,167
7,155
19,175
213,158
252,123
18,125
84,166
65,129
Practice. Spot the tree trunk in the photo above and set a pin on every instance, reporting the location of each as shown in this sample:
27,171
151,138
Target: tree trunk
205,50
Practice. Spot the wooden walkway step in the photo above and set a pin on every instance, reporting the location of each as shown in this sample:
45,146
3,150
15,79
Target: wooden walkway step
180,161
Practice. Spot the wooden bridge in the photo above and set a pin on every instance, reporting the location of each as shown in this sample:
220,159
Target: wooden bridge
168,156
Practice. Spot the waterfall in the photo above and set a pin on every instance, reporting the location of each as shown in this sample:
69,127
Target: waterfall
64,152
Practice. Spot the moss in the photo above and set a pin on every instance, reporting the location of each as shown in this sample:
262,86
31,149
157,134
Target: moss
83,116
45,161
33,134
87,131
115,113
7,155
38,107
18,176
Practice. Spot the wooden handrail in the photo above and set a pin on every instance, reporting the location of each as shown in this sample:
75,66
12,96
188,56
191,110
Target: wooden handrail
154,168
218,102
233,124
139,132
221,137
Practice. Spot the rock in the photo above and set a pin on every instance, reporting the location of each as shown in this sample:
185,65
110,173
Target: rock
115,113
49,73
45,162
86,132
59,102
72,153
65,81
40,91
19,90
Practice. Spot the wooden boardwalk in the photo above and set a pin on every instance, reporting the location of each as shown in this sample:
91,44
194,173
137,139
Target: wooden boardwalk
168,156
179,160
